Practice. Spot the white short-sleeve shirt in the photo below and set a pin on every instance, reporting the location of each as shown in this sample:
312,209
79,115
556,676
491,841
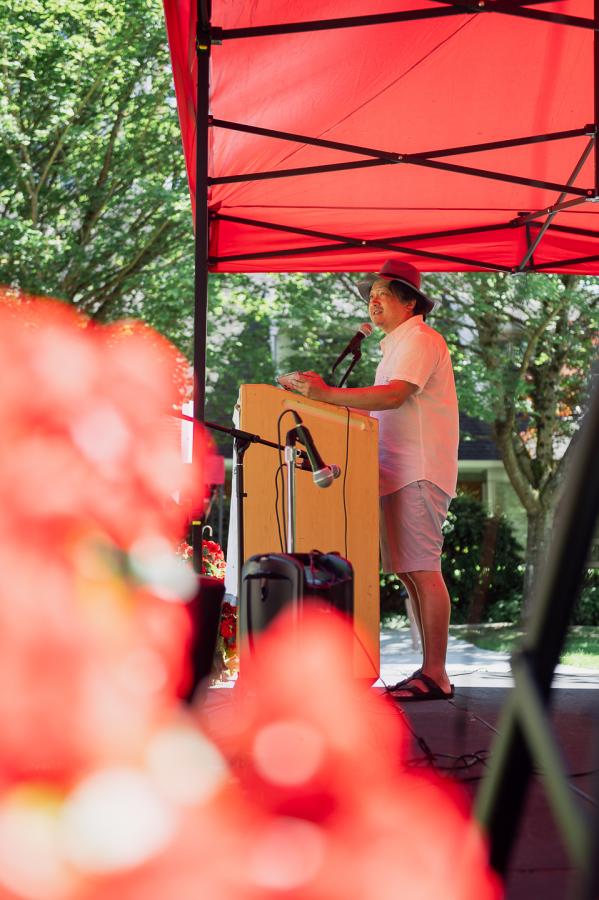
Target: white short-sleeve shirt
419,440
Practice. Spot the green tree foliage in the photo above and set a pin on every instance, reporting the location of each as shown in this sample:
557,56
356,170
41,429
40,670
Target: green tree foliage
523,349
317,313
238,345
94,205
586,611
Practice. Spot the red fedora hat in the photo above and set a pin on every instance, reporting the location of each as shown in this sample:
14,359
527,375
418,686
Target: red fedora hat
395,269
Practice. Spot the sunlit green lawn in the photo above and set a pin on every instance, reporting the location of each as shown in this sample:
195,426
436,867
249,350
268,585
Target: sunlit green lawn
582,644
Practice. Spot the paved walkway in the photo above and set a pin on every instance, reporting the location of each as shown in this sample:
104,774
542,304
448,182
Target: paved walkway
468,666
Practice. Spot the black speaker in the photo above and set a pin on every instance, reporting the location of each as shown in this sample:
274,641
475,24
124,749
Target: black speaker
275,581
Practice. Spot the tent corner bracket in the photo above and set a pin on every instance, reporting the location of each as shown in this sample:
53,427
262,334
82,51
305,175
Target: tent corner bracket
208,37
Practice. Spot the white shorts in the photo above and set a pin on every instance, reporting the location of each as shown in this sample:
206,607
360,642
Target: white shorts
411,523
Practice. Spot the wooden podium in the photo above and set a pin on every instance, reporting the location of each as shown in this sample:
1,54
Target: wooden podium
322,516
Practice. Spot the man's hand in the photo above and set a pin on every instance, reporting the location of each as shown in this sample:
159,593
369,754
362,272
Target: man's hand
311,385
380,396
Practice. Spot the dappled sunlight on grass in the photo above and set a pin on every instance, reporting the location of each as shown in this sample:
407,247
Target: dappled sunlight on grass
582,644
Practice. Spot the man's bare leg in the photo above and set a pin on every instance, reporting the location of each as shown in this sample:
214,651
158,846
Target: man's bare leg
413,608
434,607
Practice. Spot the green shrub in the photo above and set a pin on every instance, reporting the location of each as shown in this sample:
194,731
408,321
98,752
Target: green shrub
586,611
482,564
392,595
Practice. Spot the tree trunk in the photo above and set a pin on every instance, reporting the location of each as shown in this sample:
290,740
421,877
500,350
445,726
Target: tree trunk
536,548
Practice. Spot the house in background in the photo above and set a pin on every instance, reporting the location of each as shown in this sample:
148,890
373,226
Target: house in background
481,474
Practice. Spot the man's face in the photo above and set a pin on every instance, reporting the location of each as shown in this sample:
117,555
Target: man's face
385,309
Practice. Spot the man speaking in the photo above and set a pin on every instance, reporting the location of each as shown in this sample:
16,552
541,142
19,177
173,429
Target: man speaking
414,400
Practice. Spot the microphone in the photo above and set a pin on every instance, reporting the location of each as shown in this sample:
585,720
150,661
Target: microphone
322,475
353,347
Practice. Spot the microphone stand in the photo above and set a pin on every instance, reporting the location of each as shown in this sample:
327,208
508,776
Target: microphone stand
242,440
356,357
291,453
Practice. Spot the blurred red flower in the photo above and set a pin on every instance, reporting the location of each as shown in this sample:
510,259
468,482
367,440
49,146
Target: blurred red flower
322,760
297,788
90,653
87,435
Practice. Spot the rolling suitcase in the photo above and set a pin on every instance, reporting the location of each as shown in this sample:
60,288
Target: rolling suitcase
276,581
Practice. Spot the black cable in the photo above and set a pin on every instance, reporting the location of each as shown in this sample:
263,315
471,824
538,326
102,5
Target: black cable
282,466
277,473
468,711
419,740
463,762
345,475
429,756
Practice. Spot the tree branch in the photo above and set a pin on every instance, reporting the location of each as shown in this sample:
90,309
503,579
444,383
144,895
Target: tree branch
528,495
28,183
62,133
70,286
349,284
113,287
97,202
570,282
524,457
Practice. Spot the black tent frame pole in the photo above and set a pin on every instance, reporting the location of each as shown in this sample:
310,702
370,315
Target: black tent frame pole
596,89
564,263
516,9
341,243
455,7
429,158
408,160
390,156
572,229
537,240
203,43
533,217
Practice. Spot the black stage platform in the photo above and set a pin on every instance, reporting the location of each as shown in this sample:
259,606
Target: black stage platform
466,727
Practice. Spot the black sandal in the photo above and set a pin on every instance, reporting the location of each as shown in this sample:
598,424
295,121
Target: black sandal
401,684
417,695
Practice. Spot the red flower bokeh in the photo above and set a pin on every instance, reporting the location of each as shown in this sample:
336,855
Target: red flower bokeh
295,788
89,656
322,761
86,417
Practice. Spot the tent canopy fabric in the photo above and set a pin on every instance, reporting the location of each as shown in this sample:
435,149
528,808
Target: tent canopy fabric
330,148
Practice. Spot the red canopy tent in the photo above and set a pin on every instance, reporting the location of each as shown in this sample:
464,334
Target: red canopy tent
458,134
